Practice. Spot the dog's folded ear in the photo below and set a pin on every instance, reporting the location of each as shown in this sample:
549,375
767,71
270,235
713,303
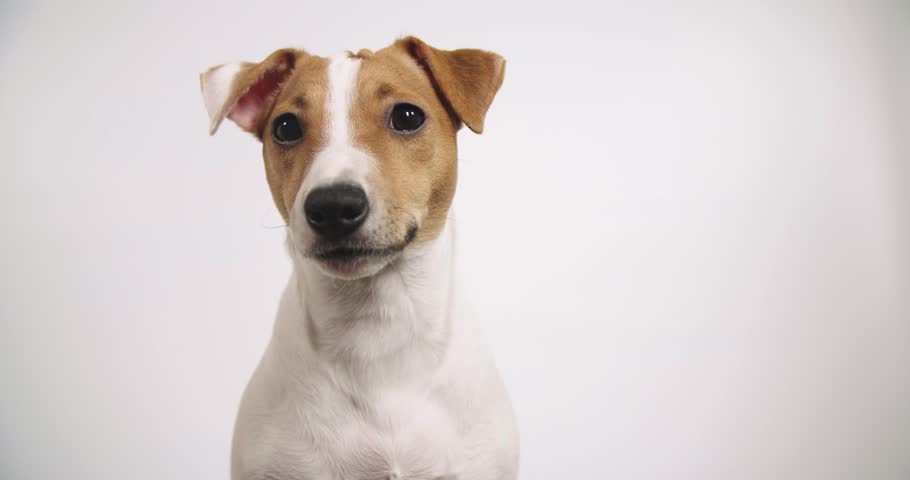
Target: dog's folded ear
466,80
244,92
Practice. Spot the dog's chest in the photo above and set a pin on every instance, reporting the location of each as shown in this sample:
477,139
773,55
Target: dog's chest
393,434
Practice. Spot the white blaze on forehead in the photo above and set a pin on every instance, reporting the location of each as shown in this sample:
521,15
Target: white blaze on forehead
339,160
342,80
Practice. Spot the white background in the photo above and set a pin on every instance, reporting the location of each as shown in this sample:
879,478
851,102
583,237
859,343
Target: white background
687,227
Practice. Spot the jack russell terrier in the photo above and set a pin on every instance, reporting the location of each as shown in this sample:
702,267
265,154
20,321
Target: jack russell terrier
374,370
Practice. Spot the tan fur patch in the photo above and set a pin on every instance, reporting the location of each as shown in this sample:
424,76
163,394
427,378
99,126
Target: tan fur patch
417,171
304,95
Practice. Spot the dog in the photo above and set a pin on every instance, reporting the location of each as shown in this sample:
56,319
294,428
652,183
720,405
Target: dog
374,371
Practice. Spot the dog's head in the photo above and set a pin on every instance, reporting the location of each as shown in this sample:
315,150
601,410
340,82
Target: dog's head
359,149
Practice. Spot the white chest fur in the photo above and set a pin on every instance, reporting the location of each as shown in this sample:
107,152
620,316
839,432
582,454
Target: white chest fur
375,379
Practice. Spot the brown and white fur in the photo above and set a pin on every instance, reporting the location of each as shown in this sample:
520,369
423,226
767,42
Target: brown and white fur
374,371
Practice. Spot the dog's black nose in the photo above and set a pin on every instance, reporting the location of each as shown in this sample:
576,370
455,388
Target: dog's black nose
336,210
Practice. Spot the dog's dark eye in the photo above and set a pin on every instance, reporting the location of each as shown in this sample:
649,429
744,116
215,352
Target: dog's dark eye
286,129
407,118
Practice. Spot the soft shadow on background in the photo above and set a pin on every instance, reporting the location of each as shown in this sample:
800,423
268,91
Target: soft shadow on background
687,228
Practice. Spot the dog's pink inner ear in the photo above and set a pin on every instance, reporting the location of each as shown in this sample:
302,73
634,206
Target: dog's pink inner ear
250,107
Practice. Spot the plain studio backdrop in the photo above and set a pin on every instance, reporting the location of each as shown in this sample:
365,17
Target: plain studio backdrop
686,228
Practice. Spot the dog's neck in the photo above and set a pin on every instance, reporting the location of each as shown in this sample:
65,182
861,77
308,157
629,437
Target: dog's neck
396,322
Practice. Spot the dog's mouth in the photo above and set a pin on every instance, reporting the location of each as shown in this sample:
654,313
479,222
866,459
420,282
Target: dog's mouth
348,254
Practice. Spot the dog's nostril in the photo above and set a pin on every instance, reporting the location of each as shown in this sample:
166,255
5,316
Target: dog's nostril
350,213
316,217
